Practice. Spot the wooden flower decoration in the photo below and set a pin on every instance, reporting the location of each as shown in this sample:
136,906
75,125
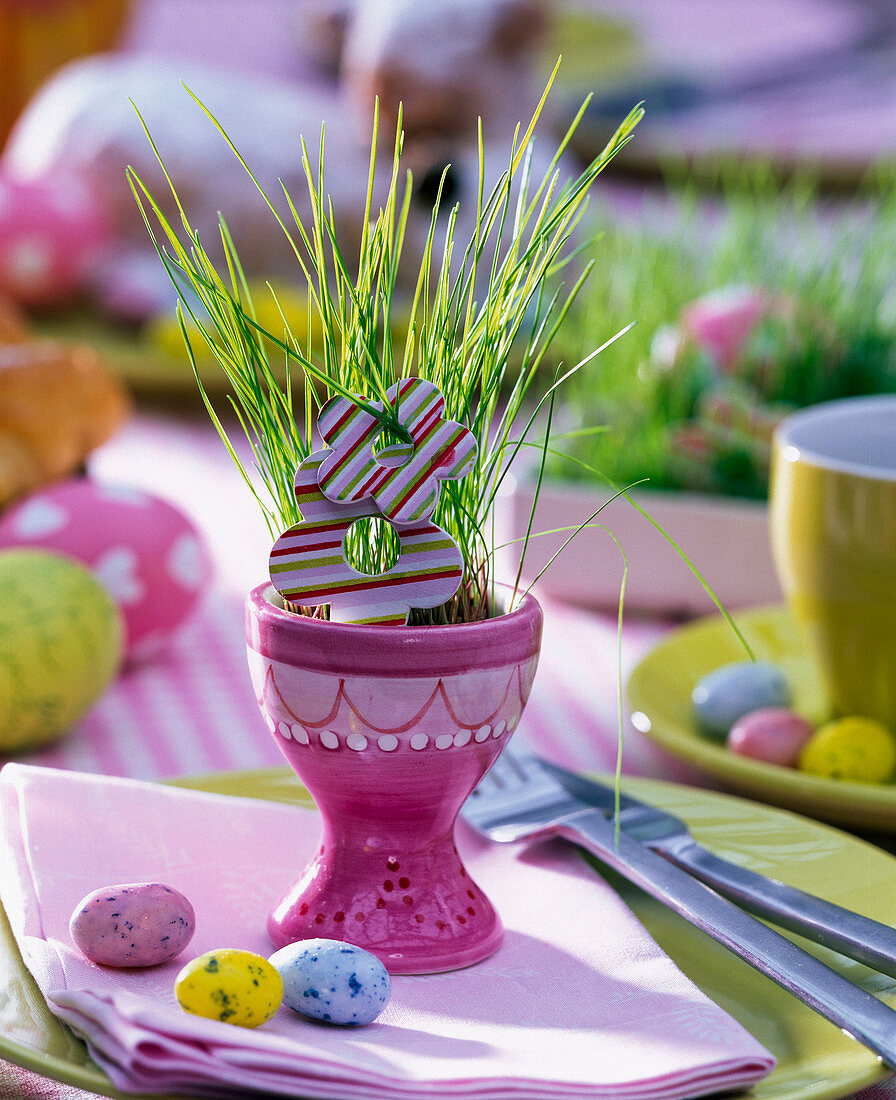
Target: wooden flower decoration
401,478
308,565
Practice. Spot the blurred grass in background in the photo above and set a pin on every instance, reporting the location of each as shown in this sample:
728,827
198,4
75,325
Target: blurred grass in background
655,405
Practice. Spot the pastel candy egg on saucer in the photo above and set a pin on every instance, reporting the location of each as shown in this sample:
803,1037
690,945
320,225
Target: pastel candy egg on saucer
729,692
133,924
148,555
851,748
333,981
774,735
233,986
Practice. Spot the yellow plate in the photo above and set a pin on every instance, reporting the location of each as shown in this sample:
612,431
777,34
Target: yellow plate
815,1060
659,696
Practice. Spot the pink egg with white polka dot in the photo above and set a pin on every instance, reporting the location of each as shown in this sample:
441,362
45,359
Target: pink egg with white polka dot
146,552
52,236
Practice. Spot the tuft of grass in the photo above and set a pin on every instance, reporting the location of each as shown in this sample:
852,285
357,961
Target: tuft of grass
483,313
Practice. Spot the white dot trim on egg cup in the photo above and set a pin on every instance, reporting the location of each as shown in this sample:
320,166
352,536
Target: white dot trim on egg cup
388,742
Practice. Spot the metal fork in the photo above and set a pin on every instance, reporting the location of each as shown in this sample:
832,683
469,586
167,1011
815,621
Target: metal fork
519,799
861,938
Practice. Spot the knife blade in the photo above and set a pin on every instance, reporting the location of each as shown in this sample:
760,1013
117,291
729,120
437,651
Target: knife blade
858,937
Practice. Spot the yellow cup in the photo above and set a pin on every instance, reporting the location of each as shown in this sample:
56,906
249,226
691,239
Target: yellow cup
833,534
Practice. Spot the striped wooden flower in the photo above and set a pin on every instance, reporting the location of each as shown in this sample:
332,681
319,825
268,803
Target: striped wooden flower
402,479
308,565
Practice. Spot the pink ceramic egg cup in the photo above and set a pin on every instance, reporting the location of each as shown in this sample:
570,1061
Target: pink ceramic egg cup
390,728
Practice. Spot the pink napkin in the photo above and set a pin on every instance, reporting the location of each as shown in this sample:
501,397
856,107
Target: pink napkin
578,1002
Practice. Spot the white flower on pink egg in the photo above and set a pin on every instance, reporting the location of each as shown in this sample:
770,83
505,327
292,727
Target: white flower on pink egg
186,561
38,517
117,570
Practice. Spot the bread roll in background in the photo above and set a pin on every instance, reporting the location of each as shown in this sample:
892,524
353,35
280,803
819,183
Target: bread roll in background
58,402
13,324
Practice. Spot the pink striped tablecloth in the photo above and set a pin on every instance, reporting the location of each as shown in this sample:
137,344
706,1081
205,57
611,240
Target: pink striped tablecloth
191,710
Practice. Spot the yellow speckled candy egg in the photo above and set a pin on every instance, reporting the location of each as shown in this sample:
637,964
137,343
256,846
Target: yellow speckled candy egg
237,987
61,643
851,748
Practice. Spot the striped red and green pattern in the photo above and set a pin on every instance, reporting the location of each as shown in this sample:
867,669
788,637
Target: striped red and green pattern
308,564
442,450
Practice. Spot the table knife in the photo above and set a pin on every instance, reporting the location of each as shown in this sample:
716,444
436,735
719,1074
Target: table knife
858,937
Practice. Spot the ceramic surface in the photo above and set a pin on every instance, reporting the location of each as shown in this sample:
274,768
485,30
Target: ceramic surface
712,531
659,697
833,526
390,728
815,1060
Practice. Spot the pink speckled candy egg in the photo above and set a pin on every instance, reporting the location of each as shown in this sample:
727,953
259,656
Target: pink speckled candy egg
132,924
774,735
146,552
52,235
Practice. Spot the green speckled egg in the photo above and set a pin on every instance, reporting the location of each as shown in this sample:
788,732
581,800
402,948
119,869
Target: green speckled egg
61,643
236,987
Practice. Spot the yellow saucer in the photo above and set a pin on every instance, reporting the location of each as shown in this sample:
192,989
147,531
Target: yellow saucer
659,696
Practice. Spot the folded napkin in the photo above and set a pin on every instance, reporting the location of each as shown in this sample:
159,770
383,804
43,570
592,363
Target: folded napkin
578,1002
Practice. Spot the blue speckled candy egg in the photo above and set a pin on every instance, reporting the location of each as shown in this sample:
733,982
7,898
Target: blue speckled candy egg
731,691
133,924
333,981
